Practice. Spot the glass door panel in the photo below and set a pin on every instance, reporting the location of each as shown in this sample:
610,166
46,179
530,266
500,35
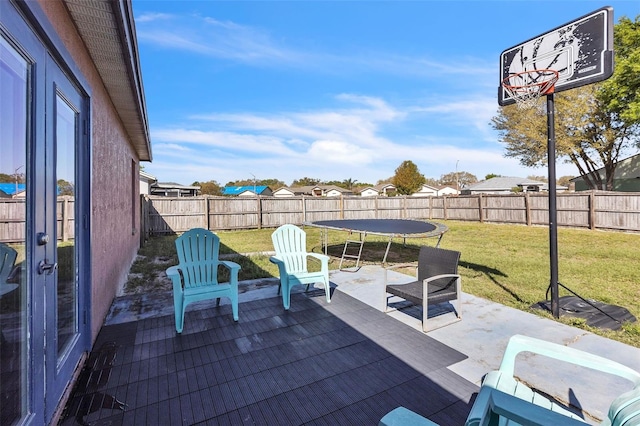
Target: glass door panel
14,104
67,312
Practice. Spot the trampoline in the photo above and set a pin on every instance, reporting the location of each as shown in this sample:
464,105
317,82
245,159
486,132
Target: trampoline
392,228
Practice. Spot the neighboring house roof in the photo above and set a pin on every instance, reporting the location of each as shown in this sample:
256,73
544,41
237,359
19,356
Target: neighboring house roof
283,191
237,190
10,189
108,26
503,183
447,190
168,188
168,185
305,190
377,189
315,190
383,186
333,188
426,189
147,177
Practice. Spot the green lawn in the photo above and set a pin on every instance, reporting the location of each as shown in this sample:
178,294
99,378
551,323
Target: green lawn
508,264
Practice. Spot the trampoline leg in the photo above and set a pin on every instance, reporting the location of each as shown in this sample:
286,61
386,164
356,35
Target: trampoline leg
384,259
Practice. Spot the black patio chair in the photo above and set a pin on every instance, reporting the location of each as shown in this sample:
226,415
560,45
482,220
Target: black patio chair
437,277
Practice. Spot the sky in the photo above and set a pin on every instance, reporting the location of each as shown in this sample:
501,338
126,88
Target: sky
334,90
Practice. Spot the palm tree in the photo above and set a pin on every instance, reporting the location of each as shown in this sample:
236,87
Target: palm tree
348,183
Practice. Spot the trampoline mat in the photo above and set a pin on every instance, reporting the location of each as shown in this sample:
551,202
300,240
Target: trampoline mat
384,226
600,315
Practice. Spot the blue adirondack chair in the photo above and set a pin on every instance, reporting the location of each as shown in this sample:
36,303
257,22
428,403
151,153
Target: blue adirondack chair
503,400
195,278
624,410
290,244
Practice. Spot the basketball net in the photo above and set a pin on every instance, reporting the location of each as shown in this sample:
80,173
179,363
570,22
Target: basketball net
527,87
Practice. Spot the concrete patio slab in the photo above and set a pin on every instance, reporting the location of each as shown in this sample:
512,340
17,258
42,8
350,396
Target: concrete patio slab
485,330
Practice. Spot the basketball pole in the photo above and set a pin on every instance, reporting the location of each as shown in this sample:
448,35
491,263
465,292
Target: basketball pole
553,208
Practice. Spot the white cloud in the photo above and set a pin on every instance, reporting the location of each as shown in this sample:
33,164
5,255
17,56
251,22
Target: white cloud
254,45
339,152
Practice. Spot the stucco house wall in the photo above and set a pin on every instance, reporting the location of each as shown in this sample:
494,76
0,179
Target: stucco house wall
426,191
115,216
626,177
369,192
447,190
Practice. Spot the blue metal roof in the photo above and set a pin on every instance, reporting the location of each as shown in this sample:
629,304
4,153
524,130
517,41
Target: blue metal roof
10,188
235,190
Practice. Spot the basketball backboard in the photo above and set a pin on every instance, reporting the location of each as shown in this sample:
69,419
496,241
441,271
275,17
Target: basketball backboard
581,51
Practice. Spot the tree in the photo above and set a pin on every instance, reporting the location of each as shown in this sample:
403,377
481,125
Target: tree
491,176
305,181
587,134
408,178
538,178
272,183
458,179
349,183
431,182
209,188
565,180
621,93
65,188
593,128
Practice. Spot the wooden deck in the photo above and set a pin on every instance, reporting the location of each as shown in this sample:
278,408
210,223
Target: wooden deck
343,363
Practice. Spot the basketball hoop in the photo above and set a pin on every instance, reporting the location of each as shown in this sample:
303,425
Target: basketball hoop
527,87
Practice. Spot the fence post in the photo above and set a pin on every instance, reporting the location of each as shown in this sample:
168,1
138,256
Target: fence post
65,218
592,210
144,220
527,209
404,207
444,207
480,209
304,209
259,200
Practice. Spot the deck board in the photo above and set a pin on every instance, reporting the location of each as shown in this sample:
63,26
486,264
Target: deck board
319,363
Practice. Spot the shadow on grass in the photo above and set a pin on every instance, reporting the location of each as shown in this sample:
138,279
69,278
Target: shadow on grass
491,274
373,252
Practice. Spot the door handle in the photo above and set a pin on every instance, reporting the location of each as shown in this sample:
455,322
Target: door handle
43,267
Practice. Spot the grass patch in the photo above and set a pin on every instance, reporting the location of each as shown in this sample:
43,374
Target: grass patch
507,264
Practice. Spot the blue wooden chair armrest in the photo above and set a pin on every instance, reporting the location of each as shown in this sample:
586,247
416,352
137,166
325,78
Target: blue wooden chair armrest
233,268
324,259
491,405
519,343
404,417
173,272
624,410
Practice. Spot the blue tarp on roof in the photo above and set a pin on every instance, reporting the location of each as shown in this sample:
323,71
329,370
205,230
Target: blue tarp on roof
235,190
10,188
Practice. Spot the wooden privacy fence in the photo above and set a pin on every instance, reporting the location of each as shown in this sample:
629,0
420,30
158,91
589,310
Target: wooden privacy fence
593,210
162,215
12,219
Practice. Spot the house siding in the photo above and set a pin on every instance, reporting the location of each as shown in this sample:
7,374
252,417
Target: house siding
114,243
